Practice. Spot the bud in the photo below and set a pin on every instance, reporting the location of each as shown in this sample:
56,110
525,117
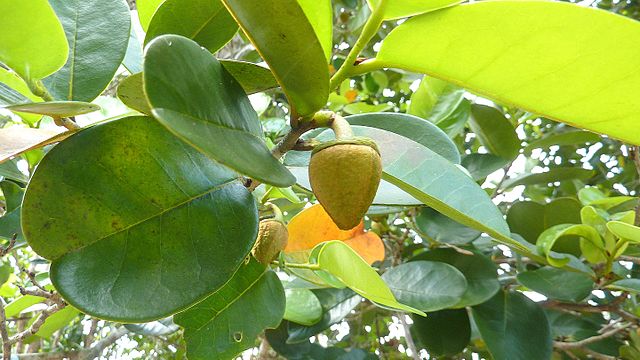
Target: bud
344,176
272,238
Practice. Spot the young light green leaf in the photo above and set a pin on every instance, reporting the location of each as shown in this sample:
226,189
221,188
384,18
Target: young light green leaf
624,230
287,41
492,55
206,22
149,243
56,321
32,42
435,99
338,259
594,197
228,321
95,50
204,105
320,15
547,239
146,9
13,90
396,9
56,108
303,307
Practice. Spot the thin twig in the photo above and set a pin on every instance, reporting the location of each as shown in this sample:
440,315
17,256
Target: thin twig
582,343
33,329
12,242
88,340
408,337
6,344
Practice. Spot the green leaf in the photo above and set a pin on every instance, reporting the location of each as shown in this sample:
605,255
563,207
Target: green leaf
131,93
365,108
529,219
252,77
480,272
491,55
513,327
203,105
146,10
154,239
482,165
320,15
442,229
303,307
10,221
206,22
552,175
56,108
631,285
575,138
161,327
13,90
20,304
624,231
286,40
336,305
338,259
9,170
494,131
442,333
412,127
133,57
557,284
547,239
435,99
229,320
594,197
95,50
56,321
33,42
396,9
425,285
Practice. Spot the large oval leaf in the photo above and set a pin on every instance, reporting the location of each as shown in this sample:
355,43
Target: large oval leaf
303,307
207,22
445,332
557,283
229,320
442,229
513,327
426,285
32,42
320,15
145,224
281,33
546,67
95,50
197,99
494,131
146,10
395,9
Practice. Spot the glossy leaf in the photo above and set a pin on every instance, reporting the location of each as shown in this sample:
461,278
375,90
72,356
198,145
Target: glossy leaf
288,43
320,15
229,320
57,321
396,9
56,108
131,93
313,226
442,229
336,305
480,272
576,138
494,131
343,263
513,327
435,99
550,176
38,54
624,230
496,58
146,10
303,307
203,105
95,50
15,140
13,90
206,22
161,327
547,239
444,332
426,285
154,239
557,283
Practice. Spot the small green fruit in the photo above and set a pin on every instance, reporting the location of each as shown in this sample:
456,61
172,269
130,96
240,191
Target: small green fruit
272,238
344,176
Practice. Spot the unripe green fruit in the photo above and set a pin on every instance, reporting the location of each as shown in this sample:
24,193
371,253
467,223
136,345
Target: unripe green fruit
344,176
272,238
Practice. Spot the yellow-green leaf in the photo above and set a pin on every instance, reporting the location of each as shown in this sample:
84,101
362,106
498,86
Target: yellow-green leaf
396,9
559,63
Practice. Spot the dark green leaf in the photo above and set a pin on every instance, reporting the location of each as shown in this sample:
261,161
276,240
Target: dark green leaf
229,320
96,50
550,176
303,307
557,283
200,102
252,77
425,285
480,272
435,99
154,239
442,229
482,165
9,170
286,40
631,285
442,333
494,131
577,138
131,93
513,327
207,22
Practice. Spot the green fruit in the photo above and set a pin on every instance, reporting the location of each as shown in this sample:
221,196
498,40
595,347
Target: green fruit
344,176
272,238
